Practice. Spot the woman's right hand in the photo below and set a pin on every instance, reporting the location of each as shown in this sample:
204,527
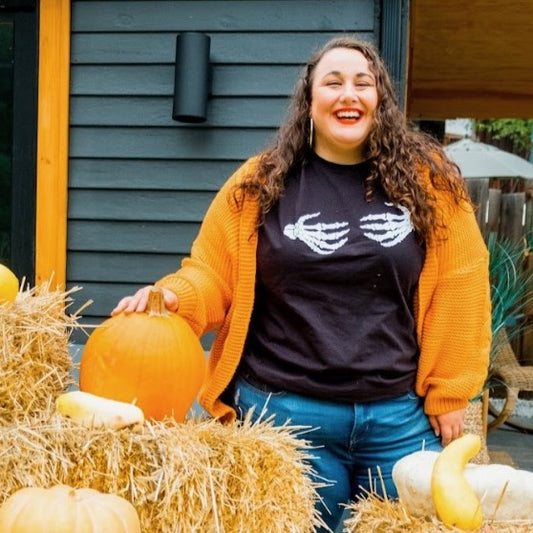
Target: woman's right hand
137,302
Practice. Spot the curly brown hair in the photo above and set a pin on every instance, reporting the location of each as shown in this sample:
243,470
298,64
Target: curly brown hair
396,152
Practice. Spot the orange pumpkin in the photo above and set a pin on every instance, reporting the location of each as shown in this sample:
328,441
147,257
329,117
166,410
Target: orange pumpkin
152,359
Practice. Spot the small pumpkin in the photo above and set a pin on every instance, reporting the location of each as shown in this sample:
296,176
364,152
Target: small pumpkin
9,285
152,359
94,411
62,509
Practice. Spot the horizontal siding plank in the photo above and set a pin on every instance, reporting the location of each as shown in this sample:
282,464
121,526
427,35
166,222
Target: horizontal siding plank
89,321
120,267
149,174
157,111
168,143
222,16
104,297
136,237
170,206
228,48
158,80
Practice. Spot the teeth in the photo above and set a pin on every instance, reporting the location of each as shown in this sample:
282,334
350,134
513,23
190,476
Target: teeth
348,114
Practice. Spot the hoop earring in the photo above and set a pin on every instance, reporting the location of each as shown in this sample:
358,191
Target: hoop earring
311,132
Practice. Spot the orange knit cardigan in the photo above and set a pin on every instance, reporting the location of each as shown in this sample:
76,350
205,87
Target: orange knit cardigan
215,287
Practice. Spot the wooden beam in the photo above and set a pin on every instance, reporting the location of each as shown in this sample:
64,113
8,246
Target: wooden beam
470,59
52,141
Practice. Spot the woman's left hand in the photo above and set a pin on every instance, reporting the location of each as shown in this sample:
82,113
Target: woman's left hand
448,426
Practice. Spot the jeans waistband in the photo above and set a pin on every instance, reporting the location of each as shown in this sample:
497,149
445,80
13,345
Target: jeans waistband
252,380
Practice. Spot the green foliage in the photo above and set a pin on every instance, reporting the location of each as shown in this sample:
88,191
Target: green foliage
511,283
511,293
518,131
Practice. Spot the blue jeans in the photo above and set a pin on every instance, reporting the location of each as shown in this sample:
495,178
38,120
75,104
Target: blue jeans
355,445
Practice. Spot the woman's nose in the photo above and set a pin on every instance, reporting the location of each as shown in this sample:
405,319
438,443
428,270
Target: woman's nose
349,94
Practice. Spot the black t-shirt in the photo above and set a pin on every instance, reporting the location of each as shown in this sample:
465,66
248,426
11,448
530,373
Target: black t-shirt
336,276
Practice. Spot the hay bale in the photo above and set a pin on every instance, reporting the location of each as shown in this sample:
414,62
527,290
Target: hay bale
197,476
377,515
35,364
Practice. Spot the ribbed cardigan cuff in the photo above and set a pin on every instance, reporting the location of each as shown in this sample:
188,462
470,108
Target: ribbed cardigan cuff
187,299
436,405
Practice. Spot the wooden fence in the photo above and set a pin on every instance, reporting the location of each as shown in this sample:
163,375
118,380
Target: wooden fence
505,206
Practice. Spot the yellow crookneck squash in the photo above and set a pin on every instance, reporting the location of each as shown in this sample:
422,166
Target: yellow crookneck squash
456,502
94,411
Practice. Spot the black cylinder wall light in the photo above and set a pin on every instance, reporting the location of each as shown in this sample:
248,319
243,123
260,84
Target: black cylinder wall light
192,77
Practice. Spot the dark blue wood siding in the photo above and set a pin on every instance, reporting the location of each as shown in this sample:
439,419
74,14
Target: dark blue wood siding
139,183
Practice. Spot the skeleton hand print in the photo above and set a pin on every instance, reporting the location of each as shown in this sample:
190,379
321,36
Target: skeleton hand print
388,229
320,237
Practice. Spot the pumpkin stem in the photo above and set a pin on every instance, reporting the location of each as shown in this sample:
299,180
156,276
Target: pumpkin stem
156,304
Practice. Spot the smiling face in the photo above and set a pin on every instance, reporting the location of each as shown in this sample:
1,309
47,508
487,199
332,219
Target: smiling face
344,97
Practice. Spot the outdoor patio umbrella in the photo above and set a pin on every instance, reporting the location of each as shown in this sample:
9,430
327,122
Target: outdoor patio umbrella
479,160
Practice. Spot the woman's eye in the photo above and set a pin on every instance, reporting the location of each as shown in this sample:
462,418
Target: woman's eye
333,83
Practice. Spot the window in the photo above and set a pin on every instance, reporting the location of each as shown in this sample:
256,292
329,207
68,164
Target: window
18,133
6,136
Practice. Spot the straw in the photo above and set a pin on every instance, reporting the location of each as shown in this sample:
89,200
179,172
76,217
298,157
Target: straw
195,476
374,514
35,363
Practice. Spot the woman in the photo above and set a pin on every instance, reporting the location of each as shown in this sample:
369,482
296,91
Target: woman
348,281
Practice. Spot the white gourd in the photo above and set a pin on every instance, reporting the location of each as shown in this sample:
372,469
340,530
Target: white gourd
412,476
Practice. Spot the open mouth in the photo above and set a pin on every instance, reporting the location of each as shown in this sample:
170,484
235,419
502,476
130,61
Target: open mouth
350,116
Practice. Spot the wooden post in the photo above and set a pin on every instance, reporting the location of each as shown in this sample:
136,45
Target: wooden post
478,188
513,216
52,141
